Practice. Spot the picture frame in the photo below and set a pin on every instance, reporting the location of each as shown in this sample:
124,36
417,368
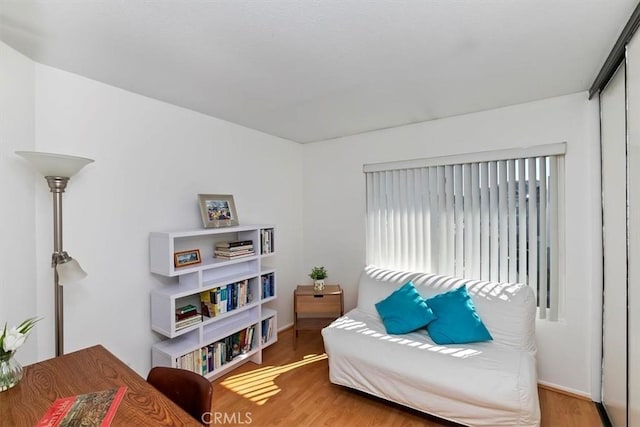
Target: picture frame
182,258
217,210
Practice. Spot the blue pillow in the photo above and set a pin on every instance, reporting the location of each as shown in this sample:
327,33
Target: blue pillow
456,319
404,310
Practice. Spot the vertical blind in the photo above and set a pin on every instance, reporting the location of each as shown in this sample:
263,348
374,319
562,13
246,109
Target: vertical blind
471,217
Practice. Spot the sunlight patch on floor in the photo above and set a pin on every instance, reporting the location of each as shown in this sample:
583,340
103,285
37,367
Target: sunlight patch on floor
259,385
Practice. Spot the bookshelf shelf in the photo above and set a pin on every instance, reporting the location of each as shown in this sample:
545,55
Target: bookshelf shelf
236,290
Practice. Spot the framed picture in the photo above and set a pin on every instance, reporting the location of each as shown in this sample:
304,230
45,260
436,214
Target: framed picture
180,259
217,210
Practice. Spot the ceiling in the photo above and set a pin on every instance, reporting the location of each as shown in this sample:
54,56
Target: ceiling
314,70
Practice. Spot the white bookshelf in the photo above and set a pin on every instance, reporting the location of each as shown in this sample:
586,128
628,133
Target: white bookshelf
185,285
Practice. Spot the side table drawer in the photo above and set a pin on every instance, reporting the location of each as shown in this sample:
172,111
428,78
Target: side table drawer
319,304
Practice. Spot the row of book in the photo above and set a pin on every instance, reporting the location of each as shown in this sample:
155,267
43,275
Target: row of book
266,239
268,286
225,298
186,316
267,329
211,357
234,250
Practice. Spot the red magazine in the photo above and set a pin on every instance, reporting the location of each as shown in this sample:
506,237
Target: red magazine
91,409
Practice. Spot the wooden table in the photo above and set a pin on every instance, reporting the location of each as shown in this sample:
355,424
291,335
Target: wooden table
86,371
313,310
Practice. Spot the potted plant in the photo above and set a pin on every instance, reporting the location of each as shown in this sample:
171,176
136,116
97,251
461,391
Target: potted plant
318,274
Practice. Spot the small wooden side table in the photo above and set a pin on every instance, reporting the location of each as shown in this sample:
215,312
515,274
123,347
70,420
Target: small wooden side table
313,310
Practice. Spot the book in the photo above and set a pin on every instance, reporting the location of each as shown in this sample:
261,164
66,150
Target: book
91,409
189,320
235,248
186,309
186,315
206,303
222,301
222,254
242,293
235,256
234,244
248,343
233,251
181,324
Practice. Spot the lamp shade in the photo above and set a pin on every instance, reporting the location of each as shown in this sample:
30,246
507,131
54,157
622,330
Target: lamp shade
69,271
49,164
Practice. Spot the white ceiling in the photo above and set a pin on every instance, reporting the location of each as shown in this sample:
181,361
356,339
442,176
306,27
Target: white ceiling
313,70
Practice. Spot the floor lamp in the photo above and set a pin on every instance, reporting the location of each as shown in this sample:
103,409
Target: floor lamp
57,169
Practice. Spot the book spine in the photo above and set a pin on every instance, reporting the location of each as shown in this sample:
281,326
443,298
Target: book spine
234,244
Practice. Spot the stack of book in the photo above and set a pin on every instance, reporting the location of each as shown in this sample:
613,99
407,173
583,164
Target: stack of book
267,330
268,286
266,237
235,249
186,316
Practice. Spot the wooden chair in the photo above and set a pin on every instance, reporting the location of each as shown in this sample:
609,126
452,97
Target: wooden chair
190,391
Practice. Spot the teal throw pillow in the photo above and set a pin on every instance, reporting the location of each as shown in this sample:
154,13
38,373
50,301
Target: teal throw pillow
457,321
404,310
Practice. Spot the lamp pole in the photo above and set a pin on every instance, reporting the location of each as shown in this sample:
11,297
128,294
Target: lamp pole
57,185
57,169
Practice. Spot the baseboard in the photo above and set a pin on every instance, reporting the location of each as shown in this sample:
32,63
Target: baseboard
564,390
285,327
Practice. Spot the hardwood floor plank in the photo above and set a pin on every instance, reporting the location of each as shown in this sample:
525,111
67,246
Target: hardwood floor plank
292,388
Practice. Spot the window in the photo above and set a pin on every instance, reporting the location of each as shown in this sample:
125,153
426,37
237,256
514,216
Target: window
487,216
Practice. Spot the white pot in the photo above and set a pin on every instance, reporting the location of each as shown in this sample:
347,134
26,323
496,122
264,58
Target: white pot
318,284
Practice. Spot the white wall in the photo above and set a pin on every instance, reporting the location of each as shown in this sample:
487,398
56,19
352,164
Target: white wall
17,236
334,210
151,161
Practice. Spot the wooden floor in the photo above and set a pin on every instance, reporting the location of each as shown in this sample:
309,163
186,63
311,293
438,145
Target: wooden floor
292,388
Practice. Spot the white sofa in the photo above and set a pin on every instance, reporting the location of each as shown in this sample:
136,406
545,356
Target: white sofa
490,383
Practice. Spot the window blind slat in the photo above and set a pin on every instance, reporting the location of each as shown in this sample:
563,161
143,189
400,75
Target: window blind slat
449,195
435,221
370,235
513,231
392,229
542,236
422,239
533,225
504,222
494,273
405,241
442,221
459,226
484,222
554,252
522,225
377,221
468,222
475,200
415,226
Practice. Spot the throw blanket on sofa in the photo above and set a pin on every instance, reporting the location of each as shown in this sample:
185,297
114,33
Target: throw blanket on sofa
488,383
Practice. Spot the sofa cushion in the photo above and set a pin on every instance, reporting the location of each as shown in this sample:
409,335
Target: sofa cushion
404,310
456,319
